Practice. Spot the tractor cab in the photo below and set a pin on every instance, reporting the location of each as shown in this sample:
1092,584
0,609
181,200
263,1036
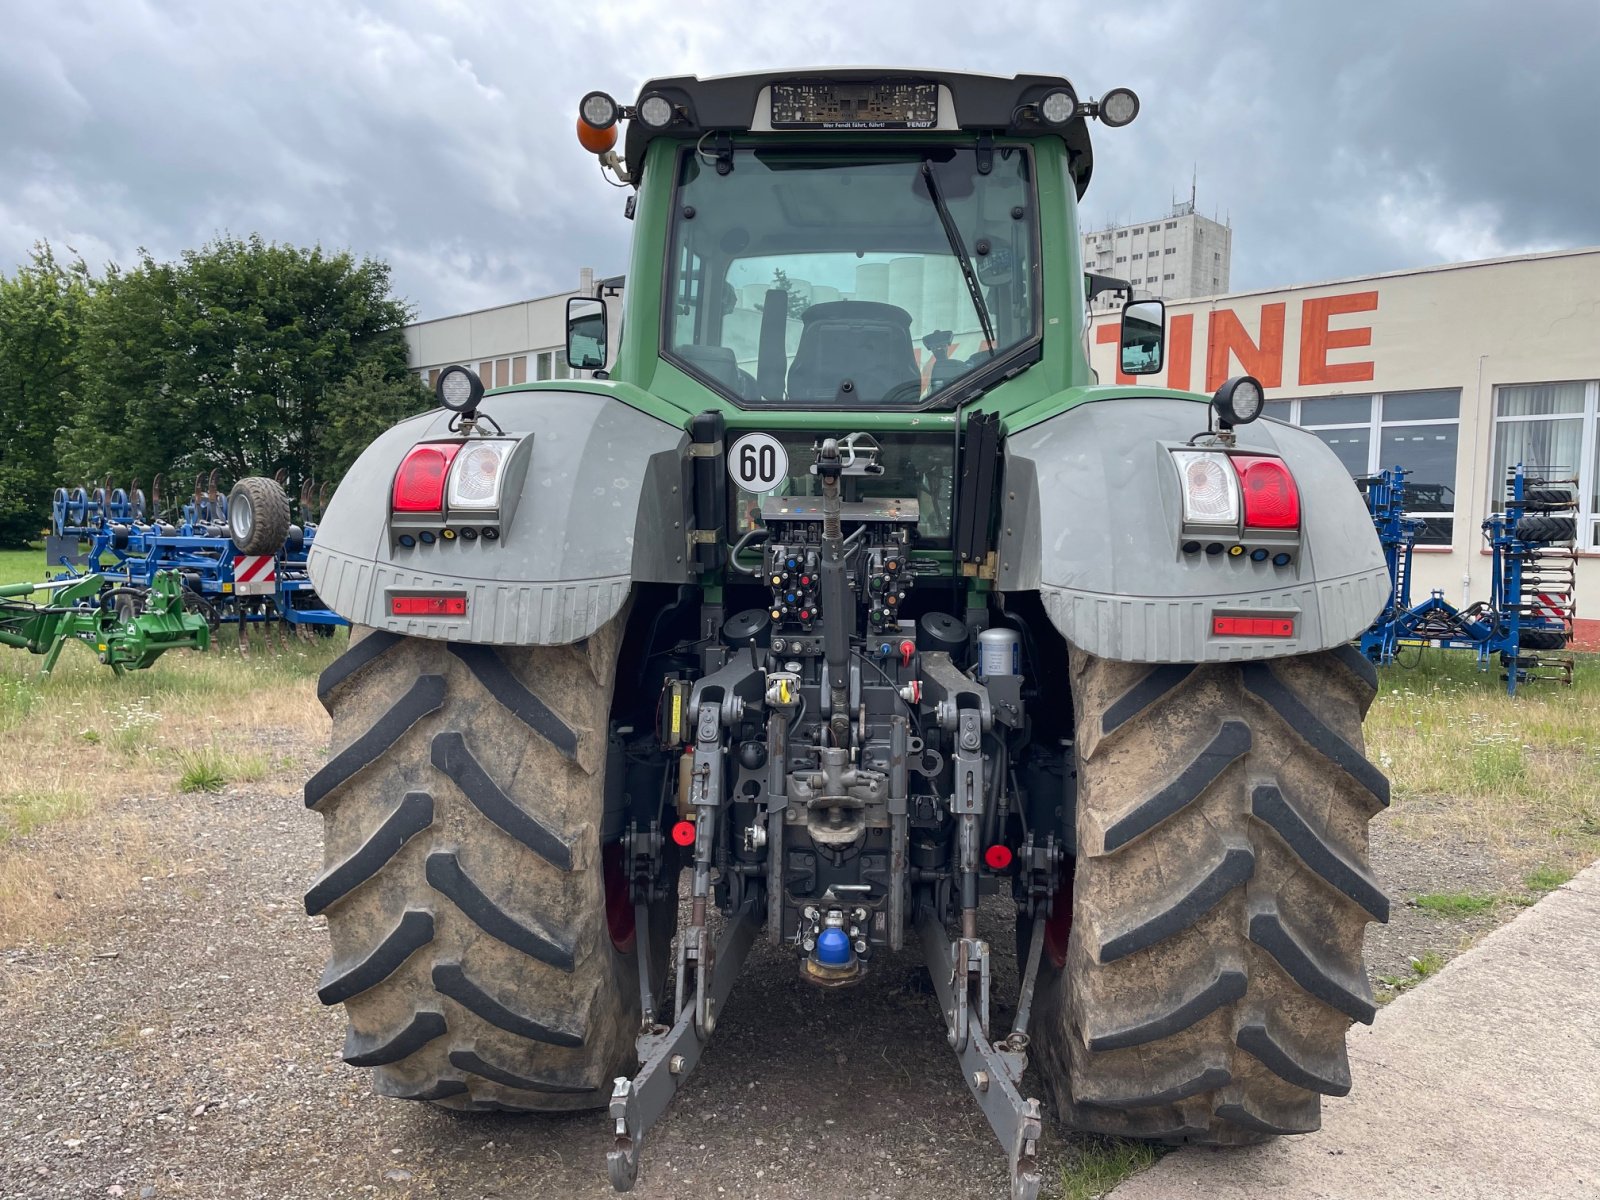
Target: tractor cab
863,240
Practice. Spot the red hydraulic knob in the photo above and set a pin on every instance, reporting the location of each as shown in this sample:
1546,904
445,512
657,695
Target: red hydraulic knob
683,833
907,649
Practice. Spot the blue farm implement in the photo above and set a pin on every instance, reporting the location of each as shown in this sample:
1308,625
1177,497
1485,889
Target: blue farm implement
241,556
126,629
1527,621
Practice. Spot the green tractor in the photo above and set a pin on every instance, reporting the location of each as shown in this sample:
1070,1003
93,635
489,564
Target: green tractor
838,594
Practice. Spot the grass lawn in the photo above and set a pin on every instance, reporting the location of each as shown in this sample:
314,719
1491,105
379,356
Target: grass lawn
1467,762
22,566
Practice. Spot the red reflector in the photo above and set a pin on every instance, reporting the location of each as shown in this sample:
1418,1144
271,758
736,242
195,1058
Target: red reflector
998,857
1271,500
419,483
428,606
683,833
1278,627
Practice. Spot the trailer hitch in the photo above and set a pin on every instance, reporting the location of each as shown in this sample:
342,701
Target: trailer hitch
992,1072
668,1057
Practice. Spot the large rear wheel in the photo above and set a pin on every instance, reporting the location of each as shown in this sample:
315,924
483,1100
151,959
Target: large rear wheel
1220,896
465,883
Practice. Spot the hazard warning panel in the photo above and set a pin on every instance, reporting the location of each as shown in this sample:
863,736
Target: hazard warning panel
255,574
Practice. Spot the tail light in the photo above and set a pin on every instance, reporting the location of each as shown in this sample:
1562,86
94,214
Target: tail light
1271,499
419,483
1210,489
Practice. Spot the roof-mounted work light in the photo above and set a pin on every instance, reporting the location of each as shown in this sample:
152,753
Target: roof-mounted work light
1119,107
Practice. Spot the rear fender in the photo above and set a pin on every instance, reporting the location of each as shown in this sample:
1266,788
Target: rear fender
600,507
1092,518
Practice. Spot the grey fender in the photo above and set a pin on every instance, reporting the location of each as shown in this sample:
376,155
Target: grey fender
1092,516
601,507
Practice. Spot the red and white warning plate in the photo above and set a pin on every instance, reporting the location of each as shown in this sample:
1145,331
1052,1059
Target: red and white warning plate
255,574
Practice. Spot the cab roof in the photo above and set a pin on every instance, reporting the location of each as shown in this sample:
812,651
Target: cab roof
732,104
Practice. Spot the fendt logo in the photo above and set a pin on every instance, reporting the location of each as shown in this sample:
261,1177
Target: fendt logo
1228,341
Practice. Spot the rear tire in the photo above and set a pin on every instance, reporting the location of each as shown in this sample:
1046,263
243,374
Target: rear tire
1220,897
464,885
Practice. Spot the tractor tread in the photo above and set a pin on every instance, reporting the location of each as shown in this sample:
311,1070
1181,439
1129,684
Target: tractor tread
1265,684
1180,1088
441,1089
1220,898
361,1051
425,696
1231,741
411,816
1294,1065
469,1061
446,876
1306,966
1540,528
342,981
1359,665
451,755
502,683
1156,684
1195,899
344,668
450,979
1226,986
1271,806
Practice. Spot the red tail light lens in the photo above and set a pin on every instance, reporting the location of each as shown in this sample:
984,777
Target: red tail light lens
1271,500
419,483
1272,627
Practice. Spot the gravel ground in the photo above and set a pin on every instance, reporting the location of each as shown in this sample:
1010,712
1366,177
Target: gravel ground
173,1046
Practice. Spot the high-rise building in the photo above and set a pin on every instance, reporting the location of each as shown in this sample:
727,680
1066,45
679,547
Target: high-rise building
1175,257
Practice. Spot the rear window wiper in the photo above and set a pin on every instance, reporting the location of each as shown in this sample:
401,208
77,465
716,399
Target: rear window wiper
959,248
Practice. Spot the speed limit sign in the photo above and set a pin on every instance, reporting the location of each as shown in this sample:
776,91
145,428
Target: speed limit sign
757,462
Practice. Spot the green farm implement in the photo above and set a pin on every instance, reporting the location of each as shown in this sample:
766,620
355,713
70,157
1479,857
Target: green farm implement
127,628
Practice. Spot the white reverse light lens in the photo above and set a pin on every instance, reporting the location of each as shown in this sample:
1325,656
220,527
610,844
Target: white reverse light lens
455,389
598,109
655,111
475,475
1210,488
1057,108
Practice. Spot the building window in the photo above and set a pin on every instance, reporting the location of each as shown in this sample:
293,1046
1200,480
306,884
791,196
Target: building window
1169,276
1171,225
1170,250
1552,429
1216,256
519,369
1122,258
433,378
1138,256
1415,430
1122,233
543,363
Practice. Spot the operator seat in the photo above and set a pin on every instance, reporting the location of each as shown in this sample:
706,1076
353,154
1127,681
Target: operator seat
861,341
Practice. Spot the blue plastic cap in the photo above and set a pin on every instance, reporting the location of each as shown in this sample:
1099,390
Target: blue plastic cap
833,948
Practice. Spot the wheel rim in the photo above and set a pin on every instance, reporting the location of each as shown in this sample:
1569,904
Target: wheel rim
619,905
242,517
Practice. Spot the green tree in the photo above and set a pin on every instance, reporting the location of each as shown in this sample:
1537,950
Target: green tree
236,357
40,314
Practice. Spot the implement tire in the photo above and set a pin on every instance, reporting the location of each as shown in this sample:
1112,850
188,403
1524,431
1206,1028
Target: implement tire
258,515
464,884
1539,527
1220,897
1543,639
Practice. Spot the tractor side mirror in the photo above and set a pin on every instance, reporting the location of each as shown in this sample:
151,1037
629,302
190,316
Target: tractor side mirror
1142,347
586,333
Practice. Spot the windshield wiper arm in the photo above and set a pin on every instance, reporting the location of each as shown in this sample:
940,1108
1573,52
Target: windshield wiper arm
953,236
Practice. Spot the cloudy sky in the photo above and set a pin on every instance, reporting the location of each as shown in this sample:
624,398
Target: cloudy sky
1339,138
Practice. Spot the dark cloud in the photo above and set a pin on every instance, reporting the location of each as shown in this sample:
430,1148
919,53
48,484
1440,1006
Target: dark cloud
1338,139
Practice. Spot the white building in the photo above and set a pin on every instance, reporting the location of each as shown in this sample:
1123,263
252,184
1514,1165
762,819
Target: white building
1178,256
513,343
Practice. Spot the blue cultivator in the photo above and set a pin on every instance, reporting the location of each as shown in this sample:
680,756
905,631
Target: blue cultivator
241,556
1527,621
